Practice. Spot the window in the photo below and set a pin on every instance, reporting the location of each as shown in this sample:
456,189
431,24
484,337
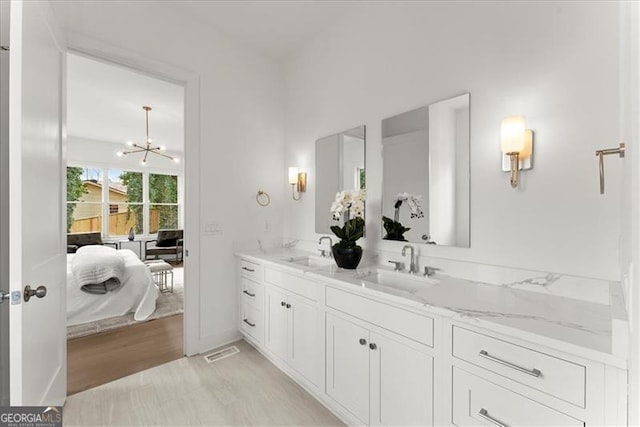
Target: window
142,201
125,192
84,200
163,202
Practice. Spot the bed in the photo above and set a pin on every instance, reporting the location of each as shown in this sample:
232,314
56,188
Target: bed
137,294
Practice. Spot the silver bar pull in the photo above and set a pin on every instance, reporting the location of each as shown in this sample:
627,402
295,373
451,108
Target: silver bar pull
248,323
533,372
251,270
484,414
606,152
248,293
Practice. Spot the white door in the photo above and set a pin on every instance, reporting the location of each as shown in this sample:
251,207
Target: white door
36,236
276,323
348,366
305,338
401,384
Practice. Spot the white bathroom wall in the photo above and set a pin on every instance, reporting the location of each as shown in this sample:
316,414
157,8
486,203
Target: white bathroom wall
556,63
241,135
630,236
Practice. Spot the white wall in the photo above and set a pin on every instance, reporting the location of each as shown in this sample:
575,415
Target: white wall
241,135
630,236
554,63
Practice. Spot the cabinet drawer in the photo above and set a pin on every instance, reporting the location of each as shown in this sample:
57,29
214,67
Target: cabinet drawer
476,401
557,377
252,322
250,270
411,325
252,293
299,285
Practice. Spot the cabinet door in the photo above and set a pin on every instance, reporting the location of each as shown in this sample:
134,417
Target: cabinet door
401,383
305,338
348,366
276,322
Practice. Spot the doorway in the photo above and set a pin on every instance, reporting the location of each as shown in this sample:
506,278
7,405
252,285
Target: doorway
125,184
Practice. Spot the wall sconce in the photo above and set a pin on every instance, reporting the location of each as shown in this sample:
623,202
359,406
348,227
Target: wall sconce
517,147
298,181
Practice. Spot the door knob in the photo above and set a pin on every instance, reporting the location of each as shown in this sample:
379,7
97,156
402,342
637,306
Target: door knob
4,296
288,306
363,341
373,346
282,303
39,292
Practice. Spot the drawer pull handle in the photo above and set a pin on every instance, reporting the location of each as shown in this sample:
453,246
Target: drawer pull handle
282,303
288,306
362,341
533,372
484,414
248,323
248,293
250,270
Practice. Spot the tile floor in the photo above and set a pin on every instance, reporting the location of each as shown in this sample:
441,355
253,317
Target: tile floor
244,389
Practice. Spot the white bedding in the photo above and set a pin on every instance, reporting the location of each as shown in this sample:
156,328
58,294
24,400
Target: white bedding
137,294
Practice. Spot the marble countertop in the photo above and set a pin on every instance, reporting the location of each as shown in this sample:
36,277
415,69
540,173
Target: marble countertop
581,327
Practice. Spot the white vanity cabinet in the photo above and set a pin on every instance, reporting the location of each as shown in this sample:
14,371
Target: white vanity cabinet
381,378
506,382
292,323
251,300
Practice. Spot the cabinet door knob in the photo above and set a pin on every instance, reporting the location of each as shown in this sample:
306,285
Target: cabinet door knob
288,305
363,341
282,303
373,346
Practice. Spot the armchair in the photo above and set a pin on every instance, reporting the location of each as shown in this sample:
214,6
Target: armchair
168,242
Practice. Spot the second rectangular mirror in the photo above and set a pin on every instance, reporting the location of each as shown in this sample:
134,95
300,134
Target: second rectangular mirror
339,166
426,174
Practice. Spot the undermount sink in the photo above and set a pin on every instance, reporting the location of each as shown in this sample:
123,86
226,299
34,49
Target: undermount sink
397,280
309,261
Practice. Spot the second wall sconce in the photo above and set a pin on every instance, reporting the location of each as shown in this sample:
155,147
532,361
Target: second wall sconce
298,182
517,147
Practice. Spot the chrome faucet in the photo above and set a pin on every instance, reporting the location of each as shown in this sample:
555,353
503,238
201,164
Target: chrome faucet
430,271
324,252
413,268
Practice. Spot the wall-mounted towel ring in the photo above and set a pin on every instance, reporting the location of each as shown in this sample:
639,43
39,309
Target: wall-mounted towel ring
600,154
262,198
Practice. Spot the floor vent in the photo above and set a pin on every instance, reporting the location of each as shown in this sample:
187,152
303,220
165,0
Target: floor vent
221,354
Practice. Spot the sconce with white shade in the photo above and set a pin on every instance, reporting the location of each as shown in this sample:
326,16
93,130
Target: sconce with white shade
517,147
298,182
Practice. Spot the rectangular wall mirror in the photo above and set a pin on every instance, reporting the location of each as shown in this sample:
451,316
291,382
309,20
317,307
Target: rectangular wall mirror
426,164
340,165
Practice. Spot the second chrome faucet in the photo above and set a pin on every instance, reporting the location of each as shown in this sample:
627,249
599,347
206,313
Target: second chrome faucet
413,267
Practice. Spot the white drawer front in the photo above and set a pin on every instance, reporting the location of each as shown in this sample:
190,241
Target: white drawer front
252,293
299,285
479,402
252,322
557,377
250,270
411,325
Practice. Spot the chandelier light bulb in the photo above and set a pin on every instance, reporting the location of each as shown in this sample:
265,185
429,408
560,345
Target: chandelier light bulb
176,160
129,143
162,148
143,162
119,154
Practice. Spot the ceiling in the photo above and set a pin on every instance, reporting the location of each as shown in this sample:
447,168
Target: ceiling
277,28
104,102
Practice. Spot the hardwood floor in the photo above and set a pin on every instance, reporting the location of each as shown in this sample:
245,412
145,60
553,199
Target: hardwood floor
243,389
101,358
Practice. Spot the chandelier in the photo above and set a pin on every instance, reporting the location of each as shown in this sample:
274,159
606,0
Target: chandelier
147,148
